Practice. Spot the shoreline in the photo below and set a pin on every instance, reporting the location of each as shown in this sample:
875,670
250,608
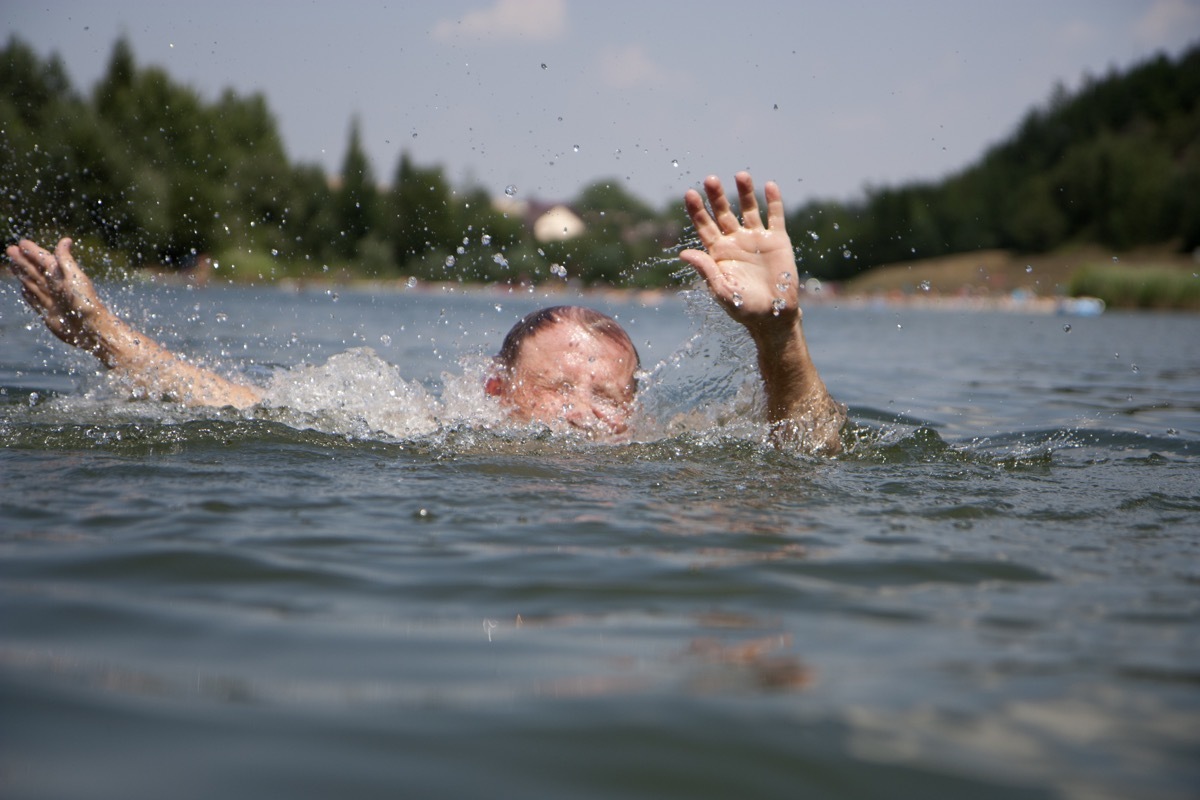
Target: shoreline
986,280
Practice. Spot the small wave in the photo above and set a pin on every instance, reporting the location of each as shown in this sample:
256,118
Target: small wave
913,572
1035,444
358,397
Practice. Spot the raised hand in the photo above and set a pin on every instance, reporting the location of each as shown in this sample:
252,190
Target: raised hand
750,269
62,295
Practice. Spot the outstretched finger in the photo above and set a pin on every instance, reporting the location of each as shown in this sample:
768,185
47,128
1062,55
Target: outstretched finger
14,255
34,287
776,220
727,221
62,254
706,227
751,219
37,260
24,265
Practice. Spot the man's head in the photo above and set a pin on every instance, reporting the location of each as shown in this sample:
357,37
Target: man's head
568,364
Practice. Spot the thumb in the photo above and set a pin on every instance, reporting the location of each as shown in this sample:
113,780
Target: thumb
702,262
63,251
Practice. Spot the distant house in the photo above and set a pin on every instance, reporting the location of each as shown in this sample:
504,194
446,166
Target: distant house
549,222
557,224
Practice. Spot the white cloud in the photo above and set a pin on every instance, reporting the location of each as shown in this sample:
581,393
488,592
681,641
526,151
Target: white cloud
1163,23
527,20
630,67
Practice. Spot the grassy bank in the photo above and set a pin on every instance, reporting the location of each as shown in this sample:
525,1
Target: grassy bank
1140,286
1153,278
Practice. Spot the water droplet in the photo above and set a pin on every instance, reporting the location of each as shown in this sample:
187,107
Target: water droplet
777,305
559,270
510,190
1066,328
411,282
274,252
385,339
1133,367
500,259
674,162
815,236
925,286
777,106
544,65
450,261
847,254
576,148
737,300
837,227
1028,268
334,297
899,326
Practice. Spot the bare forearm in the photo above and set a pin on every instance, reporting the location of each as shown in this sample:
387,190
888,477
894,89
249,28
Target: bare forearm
66,301
152,368
751,271
798,405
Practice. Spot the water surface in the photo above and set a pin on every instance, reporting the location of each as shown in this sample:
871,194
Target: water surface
381,589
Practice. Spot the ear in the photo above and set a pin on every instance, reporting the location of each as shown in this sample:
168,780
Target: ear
494,386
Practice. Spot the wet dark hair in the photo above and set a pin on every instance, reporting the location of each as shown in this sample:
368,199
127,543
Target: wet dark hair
588,318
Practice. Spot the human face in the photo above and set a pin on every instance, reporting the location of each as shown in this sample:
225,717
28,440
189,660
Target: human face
566,374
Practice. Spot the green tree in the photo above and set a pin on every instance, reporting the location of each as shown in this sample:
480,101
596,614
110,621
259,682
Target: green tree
424,224
356,199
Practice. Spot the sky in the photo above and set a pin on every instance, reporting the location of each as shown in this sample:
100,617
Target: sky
548,96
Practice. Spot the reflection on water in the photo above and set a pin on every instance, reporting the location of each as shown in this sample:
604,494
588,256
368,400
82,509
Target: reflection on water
376,583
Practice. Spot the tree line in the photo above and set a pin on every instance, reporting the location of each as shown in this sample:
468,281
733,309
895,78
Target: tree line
1116,163
145,171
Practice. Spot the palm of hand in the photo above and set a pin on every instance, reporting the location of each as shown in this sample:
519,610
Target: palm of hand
750,268
755,273
74,303
60,292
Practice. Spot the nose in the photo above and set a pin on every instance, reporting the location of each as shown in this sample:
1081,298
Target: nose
593,419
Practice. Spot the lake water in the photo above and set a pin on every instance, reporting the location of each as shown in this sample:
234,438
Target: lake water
377,589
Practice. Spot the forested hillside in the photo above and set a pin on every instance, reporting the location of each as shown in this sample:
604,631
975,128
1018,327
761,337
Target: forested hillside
143,170
1116,164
